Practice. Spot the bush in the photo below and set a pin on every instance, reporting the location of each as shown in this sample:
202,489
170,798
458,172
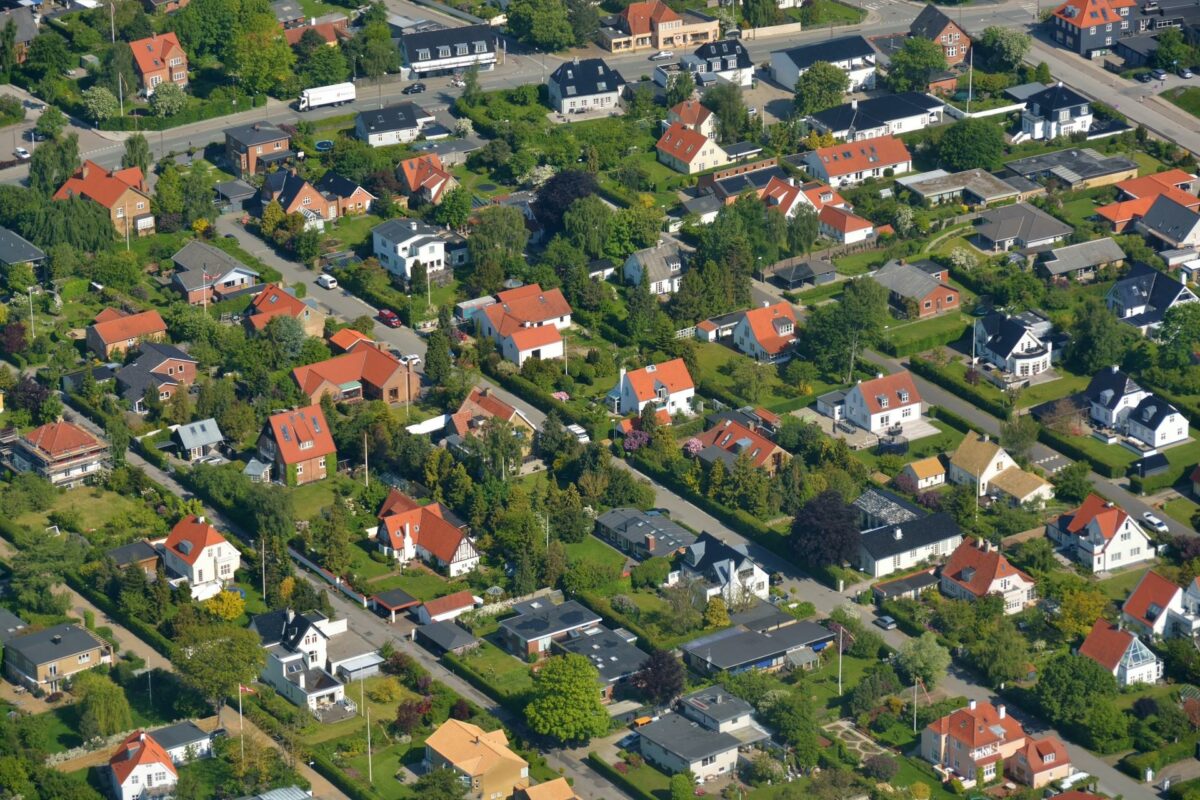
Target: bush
881,768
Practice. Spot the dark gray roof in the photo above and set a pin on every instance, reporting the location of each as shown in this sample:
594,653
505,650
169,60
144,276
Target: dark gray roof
929,24
51,644
906,280
612,654
913,583
742,149
10,625
1021,222
716,703
882,542
754,179
885,508
255,133
762,617
196,259
832,50
739,646
707,552
717,55
275,627
1003,332
15,250
634,525
333,184
26,23
661,262
1152,412
1115,382
1151,465
401,230
1071,165
135,378
1169,219
199,434
802,268
132,553
470,35
447,635
235,190
287,10
397,598
537,619
1053,99
1146,286
876,112
1085,255
284,186
181,734
399,117
100,373
686,739
588,76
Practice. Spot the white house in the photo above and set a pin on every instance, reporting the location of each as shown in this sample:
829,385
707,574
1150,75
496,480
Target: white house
439,51
878,404
398,124
879,116
1101,536
1111,395
444,609
925,473
851,54
1008,344
984,464
1156,423
400,244
854,162
577,87
663,266
667,385
977,569
526,322
725,59
184,741
197,553
725,570
766,333
1053,112
676,744
1121,653
1143,297
901,546
140,768
1157,607
425,532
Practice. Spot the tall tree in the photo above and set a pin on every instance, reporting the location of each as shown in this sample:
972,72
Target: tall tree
215,659
374,51
8,47
661,678
564,703
587,222
51,123
911,68
681,87
437,357
137,153
971,144
825,532
496,245
1069,684
559,193
455,208
103,707
835,335
585,21
725,100
100,104
1098,338
168,100
440,784
1003,49
760,13
924,658
53,163
1019,434
259,55
819,87
542,24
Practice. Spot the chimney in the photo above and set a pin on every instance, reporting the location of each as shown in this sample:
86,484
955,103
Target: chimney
56,639
650,542
83,171
141,736
984,438
1114,368
971,705
878,375
200,519
1001,711
290,615
766,304
854,105
897,533
300,681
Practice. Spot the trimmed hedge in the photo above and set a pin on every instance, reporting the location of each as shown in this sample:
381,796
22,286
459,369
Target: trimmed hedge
923,344
209,110
1136,764
956,421
353,789
1156,482
961,388
142,630
604,768
1064,445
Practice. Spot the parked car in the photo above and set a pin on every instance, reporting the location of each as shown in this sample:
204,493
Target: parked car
1159,74
414,88
327,281
1145,77
1184,72
662,55
389,318
1155,523
22,154
887,623
412,360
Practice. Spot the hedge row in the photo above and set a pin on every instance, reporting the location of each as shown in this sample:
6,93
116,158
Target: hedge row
536,396
1156,483
604,768
602,607
923,344
352,789
954,420
142,630
1136,764
513,703
209,109
1064,445
905,621
959,387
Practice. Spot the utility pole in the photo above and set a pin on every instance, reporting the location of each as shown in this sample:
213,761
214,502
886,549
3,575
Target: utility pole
370,770
112,20
366,464
32,321
914,705
840,629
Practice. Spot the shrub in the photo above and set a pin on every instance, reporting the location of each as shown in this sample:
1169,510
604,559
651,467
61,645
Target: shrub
880,767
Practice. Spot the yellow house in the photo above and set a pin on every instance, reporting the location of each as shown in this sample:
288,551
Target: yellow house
482,756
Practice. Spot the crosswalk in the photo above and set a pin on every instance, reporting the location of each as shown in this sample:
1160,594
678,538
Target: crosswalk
875,5
1052,464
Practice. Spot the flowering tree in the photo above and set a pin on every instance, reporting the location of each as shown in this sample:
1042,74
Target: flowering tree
636,440
692,447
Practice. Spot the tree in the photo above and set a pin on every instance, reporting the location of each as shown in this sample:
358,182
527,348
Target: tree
559,193
971,144
661,677
651,573
587,223
1098,338
1105,726
804,229
168,100
1018,435
325,66
585,20
825,531
53,163
226,606
542,24
374,51
1078,611
1072,484
1003,49
716,615
1069,684
642,308
411,714
924,658
912,67
496,245
103,707
564,703
137,154
9,52
215,659
681,88
1172,50
760,13
1001,652
49,56
437,357
682,787
51,123
837,333
259,55
100,104
440,784
819,87
725,100
455,208
1179,335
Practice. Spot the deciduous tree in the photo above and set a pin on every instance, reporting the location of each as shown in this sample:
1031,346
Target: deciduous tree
971,144
1069,684
51,123
168,100
825,532
103,707
661,677
100,104
564,703
911,68
819,87
542,24
1003,49
216,659
924,658
137,154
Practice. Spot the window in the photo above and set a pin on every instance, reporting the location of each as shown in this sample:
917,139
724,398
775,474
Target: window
1108,27
134,779
276,146
896,561
299,469
423,54
708,760
83,658
1135,551
141,205
225,570
306,201
444,50
155,80
905,412
951,52
121,212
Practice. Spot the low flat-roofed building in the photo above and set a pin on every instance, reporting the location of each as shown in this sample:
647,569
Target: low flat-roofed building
974,186
643,534
1081,261
611,652
676,744
1077,168
446,637
739,648
910,587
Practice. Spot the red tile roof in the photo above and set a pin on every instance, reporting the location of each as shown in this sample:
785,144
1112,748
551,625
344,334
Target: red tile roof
734,437
428,528
138,749
640,18
190,536
397,502
762,325
450,602
97,184
1045,754
1142,192
673,375
526,306
155,53
291,429
977,727
57,439
781,194
690,113
681,143
112,330
889,387
1150,598
531,338
843,221
1126,210
366,364
1086,13
481,403
976,569
346,338
821,195
1106,644
878,153
273,301
329,31
1108,517
424,172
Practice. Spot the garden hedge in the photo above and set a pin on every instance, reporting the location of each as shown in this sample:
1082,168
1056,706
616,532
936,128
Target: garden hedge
954,420
959,387
608,771
1136,764
210,109
1064,445
543,400
458,665
142,630
355,790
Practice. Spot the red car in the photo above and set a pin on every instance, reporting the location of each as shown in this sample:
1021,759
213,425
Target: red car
389,318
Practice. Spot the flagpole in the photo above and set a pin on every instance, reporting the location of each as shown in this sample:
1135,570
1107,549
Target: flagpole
241,727
840,660
370,770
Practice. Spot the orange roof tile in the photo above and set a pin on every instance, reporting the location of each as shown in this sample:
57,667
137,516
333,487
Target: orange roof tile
272,301
1086,13
190,536
976,569
57,439
673,375
99,185
346,338
424,171
396,502
1150,598
155,53
329,31
976,727
130,326
640,18
138,749
821,195
292,429
450,602
690,113
843,221
762,325
1108,517
481,403
1126,210
889,387
927,467
366,363
1106,644
681,143
526,306
877,153
736,438
428,528
531,338
781,193
1045,754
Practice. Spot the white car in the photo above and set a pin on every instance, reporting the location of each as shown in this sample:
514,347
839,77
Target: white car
22,154
662,55
414,360
1155,523
327,281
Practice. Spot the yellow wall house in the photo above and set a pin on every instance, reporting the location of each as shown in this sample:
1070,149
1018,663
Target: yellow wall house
483,756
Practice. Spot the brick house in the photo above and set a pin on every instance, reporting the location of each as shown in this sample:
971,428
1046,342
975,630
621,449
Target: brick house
160,59
654,24
160,370
249,148
113,331
300,445
977,569
62,453
123,192
932,23
274,301
350,197
425,179
298,196
366,372
43,659
684,150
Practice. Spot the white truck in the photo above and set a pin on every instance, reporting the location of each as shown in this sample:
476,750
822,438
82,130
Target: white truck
334,95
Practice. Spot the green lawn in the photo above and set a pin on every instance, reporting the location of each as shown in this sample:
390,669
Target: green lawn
1186,97
1147,164
421,585
595,551
350,232
1182,509
944,442
425,306
96,508
508,675
714,361
310,499
823,681
859,263
902,334
1118,587
359,692
948,246
1078,210
385,764
1066,385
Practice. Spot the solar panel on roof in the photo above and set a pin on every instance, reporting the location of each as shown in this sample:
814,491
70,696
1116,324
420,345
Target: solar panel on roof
287,436
316,425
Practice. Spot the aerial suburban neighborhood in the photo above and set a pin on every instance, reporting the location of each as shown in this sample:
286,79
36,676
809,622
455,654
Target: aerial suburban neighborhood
558,400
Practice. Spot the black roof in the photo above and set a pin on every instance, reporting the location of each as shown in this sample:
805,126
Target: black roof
613,655
718,53
446,635
255,133
1055,98
333,184
876,111
235,190
1152,412
832,50
755,179
1146,286
686,739
284,185
1151,465
634,525
912,583
132,553
1110,379
181,734
882,542
703,554
1170,219
400,117
51,644
537,619
396,598
1004,332
799,270
135,378
15,250
430,40
284,627
717,703
584,77
100,373
739,646
10,625
930,23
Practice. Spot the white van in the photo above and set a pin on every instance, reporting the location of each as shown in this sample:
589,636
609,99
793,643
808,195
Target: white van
326,281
